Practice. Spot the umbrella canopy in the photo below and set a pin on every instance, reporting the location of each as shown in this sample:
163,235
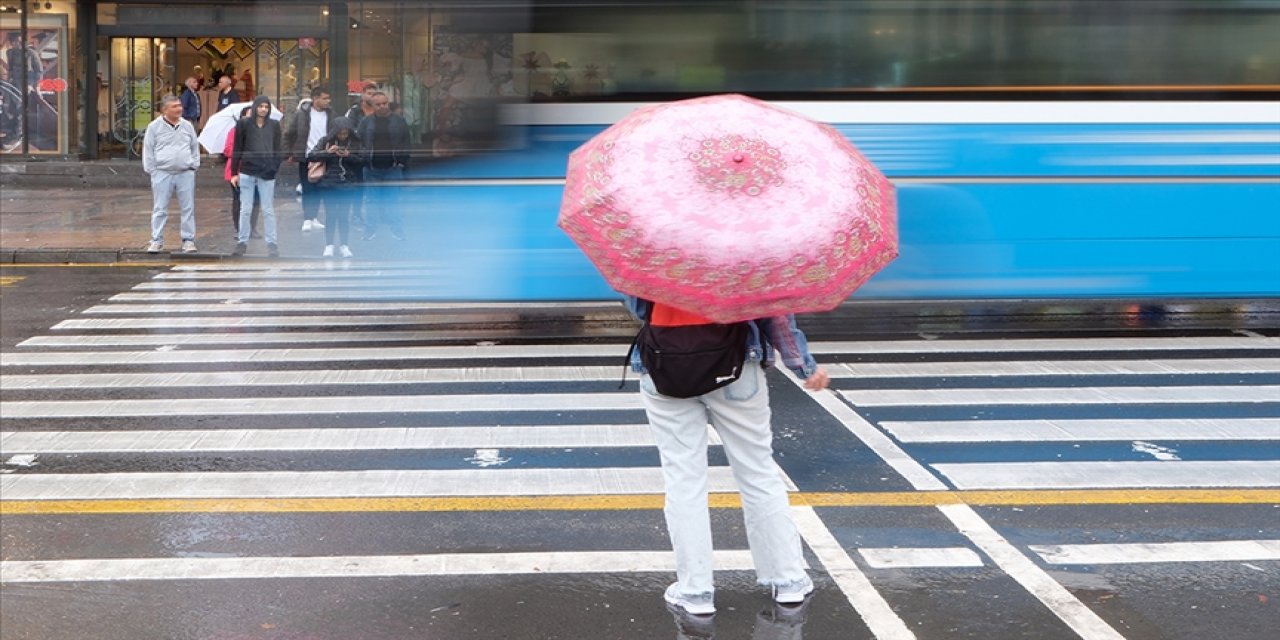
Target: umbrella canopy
214,136
729,207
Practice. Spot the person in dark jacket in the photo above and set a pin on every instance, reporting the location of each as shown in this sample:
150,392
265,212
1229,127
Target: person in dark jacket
191,102
386,142
227,95
305,129
255,158
343,155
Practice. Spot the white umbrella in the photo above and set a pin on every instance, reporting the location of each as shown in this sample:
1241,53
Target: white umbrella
214,136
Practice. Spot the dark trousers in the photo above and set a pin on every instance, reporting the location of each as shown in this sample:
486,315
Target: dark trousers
338,203
310,201
235,209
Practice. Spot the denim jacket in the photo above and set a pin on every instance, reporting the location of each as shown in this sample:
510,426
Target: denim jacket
778,332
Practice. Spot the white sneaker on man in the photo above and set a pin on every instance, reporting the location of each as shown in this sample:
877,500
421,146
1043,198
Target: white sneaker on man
306,226
328,251
346,252
155,247
315,224
189,246
702,604
793,593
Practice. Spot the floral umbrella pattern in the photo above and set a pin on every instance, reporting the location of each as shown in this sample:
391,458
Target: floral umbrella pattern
729,207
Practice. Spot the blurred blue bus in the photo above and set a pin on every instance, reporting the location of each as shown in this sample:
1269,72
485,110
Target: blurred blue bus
1042,148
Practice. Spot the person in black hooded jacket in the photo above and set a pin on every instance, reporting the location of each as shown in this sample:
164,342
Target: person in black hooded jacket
344,156
256,155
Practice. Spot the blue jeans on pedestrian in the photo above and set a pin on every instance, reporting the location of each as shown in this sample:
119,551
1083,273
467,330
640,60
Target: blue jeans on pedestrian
266,192
382,202
164,185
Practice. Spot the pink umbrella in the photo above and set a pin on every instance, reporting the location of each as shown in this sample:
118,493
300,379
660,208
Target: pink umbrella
729,207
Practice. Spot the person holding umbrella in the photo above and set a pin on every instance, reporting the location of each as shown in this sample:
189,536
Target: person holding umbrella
740,414
719,218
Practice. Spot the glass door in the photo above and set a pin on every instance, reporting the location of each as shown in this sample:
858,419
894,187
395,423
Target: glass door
142,70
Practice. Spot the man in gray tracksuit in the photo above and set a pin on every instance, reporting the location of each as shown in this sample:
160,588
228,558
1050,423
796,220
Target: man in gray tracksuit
171,155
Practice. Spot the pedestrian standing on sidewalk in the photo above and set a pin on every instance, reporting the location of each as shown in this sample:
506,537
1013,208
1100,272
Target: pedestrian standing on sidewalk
386,139
739,412
227,95
171,155
191,102
255,158
338,190
306,129
227,150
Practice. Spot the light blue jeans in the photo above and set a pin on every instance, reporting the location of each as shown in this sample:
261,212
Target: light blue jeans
740,414
266,190
163,186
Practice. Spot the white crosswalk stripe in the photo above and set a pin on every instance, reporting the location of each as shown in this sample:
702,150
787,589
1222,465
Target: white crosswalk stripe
207,330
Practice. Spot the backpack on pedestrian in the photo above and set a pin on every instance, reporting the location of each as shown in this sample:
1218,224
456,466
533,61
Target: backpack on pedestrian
689,360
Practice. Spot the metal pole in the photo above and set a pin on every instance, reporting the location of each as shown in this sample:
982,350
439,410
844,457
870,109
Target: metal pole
22,79
86,20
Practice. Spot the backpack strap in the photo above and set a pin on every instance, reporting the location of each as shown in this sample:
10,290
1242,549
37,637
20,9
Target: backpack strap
627,363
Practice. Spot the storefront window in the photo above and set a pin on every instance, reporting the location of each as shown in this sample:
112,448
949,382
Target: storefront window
37,86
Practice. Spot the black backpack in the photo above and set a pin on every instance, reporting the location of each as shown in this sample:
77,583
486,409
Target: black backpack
688,361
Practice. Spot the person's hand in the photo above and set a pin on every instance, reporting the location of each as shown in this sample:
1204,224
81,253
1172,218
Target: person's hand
342,153
288,158
331,148
235,181
818,381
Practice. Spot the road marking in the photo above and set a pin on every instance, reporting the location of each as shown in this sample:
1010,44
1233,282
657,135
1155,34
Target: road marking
348,354
1063,396
313,274
1112,475
8,281
345,405
1054,368
444,564
1054,430
1069,609
241,338
632,502
424,296
310,377
338,484
1066,345
881,619
195,322
478,313
909,558
362,439
1143,553
1035,580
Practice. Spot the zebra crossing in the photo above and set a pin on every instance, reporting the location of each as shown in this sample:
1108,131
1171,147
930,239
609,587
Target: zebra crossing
211,361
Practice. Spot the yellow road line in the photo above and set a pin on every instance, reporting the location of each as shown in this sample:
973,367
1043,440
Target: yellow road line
9,280
639,502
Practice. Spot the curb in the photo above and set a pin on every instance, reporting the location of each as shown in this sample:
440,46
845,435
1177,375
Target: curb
98,256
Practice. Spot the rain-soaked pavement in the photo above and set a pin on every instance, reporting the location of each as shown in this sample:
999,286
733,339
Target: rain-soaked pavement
264,465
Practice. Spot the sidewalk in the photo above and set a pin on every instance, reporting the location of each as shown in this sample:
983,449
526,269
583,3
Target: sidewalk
113,224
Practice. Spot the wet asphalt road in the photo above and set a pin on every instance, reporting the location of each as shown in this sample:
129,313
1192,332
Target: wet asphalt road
984,480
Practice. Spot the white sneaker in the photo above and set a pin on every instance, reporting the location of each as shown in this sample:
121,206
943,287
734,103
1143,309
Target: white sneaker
793,593
315,224
298,189
306,226
328,251
189,246
702,604
155,247
346,252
